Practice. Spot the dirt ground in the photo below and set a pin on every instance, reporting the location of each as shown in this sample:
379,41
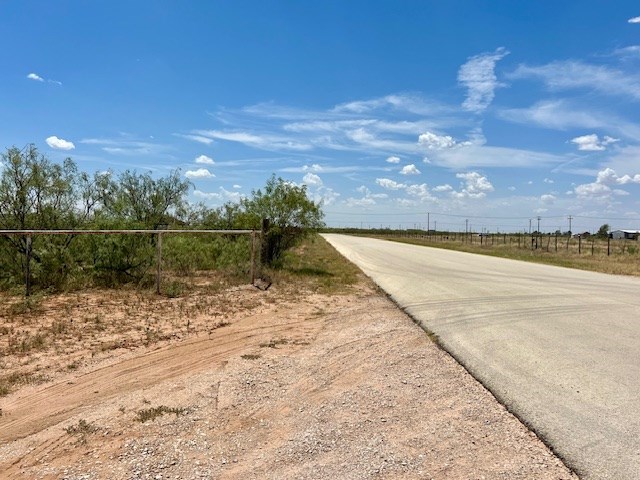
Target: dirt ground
263,384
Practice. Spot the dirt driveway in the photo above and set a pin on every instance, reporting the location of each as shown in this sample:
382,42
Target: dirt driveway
321,386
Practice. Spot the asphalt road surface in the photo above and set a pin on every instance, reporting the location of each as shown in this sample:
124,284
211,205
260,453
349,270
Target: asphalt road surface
559,347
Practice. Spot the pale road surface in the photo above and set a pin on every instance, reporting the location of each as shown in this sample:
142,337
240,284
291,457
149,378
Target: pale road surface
559,347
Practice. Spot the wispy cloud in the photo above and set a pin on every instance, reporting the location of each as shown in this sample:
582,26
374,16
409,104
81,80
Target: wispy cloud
59,143
565,115
195,138
478,76
565,75
634,20
125,146
37,78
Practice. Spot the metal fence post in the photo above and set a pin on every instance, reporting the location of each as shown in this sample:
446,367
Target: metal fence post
27,267
158,262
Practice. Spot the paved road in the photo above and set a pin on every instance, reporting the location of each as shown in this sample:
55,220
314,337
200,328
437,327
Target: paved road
559,347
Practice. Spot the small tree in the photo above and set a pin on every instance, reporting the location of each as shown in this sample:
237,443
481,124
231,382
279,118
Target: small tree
290,211
38,194
603,231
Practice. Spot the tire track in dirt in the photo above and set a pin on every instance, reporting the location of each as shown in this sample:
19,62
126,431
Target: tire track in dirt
24,415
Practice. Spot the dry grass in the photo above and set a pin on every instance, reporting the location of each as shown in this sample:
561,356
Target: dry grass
624,258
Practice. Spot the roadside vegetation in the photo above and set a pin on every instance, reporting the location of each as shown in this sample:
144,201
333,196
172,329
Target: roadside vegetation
37,194
58,333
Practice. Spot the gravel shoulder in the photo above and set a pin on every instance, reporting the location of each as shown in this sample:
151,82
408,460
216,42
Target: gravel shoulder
321,386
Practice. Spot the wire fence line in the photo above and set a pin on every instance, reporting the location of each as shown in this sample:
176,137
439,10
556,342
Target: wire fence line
29,234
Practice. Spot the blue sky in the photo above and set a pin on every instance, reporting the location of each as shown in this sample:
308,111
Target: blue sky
492,111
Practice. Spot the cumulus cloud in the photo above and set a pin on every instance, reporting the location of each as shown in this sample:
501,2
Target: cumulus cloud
435,142
409,170
199,173
547,199
634,20
390,184
479,78
474,185
393,159
592,143
203,159
59,143
36,77
601,188
548,180
443,188
312,179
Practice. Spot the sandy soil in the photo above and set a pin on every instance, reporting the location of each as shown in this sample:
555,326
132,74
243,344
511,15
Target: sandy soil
281,384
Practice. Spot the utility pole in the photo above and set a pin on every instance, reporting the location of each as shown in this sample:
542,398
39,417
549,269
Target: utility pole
538,224
529,226
428,223
570,232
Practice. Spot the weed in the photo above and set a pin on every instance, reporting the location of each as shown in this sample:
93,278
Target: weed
154,412
81,428
250,356
274,343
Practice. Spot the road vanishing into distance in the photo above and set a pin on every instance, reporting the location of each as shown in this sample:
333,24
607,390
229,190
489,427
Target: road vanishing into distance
559,347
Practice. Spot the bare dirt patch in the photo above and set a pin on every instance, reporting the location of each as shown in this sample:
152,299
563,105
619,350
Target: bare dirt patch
296,385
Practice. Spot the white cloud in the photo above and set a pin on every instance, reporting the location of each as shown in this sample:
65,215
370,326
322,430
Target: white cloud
421,191
562,115
312,179
196,138
592,143
390,184
393,159
199,173
548,180
474,185
360,202
634,20
263,141
409,170
36,77
564,75
221,195
436,142
547,199
443,188
59,143
237,187
203,159
601,188
511,188
478,76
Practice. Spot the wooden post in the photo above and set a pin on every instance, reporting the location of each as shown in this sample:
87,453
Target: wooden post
158,262
556,241
253,257
579,244
592,243
608,246
27,268
265,255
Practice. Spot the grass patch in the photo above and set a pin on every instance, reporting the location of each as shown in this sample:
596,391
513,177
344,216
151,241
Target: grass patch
250,356
150,414
317,265
617,264
81,428
274,343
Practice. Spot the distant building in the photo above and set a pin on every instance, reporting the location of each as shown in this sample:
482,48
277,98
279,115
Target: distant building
624,234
